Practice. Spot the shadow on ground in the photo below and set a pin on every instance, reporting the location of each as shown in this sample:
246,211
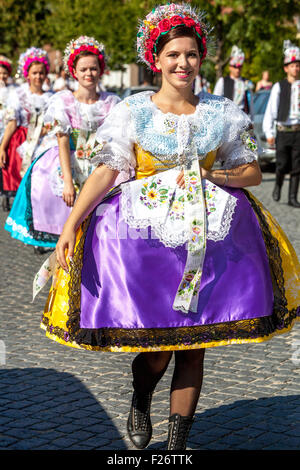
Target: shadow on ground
263,424
46,409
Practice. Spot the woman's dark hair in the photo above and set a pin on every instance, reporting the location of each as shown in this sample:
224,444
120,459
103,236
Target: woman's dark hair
178,32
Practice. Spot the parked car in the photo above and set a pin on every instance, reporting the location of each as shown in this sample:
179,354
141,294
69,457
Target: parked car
266,153
137,89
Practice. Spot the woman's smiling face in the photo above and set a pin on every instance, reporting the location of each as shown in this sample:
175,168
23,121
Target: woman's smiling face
87,70
37,74
179,61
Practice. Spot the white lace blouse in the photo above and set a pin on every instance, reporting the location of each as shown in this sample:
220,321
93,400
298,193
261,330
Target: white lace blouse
66,113
22,104
217,124
4,93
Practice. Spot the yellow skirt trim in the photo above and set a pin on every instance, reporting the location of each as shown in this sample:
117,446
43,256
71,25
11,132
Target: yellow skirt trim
290,262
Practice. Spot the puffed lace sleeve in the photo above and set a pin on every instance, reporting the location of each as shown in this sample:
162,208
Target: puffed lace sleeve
115,140
13,107
239,145
57,117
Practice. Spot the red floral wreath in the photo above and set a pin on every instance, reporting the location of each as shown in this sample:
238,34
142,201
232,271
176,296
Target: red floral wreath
93,50
163,27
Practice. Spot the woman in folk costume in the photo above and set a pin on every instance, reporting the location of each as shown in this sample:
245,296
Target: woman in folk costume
5,88
181,258
24,116
48,190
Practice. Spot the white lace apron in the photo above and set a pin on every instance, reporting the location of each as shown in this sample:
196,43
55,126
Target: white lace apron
26,150
81,165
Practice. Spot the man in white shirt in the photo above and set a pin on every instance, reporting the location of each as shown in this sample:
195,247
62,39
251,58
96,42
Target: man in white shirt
281,124
234,86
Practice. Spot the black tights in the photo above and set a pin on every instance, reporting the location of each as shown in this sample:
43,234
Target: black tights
148,369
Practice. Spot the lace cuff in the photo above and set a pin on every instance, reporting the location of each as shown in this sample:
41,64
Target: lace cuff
114,162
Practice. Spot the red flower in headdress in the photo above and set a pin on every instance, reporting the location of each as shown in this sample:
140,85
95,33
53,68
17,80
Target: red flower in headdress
154,34
176,20
149,57
164,25
189,22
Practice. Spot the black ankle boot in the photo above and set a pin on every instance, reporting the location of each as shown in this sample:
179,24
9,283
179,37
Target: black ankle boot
39,250
278,185
139,425
293,191
179,428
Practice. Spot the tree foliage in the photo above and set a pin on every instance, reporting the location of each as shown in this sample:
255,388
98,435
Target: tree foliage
258,27
22,25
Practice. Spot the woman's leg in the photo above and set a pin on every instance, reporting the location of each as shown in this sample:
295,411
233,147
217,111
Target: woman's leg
185,391
187,381
148,369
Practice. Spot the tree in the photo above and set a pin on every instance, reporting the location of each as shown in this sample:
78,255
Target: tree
259,28
113,23
22,25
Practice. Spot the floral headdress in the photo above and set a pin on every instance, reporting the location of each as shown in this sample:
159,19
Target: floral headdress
237,57
83,43
4,61
160,21
291,52
33,54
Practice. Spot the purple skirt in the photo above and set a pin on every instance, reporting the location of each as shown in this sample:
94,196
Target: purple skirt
49,212
130,281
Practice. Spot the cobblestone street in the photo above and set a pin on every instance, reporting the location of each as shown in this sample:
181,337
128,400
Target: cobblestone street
54,397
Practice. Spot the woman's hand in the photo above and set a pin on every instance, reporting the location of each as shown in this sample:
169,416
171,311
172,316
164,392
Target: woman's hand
180,178
65,247
2,158
69,194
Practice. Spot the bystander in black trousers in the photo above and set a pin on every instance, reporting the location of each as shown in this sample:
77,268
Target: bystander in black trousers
288,162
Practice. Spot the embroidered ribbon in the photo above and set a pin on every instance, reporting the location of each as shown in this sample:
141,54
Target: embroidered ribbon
187,294
83,154
33,135
85,144
46,271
